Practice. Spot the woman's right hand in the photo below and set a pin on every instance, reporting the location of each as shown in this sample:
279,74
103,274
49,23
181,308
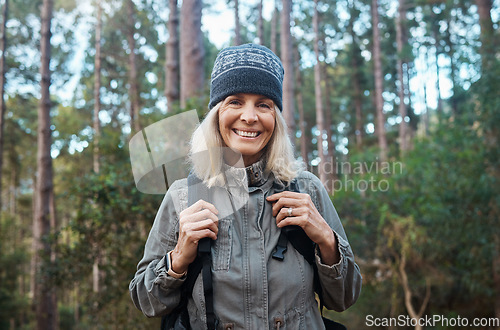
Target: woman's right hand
195,222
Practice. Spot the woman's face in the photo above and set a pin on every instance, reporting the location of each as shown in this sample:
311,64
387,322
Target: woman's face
246,124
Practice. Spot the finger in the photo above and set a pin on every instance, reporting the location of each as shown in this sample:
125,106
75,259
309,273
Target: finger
195,236
192,227
290,221
296,212
199,216
285,202
284,213
207,205
277,196
205,214
198,206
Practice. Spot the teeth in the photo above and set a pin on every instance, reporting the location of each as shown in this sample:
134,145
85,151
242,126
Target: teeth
246,134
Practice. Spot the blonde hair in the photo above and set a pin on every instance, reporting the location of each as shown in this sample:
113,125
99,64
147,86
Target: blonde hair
206,154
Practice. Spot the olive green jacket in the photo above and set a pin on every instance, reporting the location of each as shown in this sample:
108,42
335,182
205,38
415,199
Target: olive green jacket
251,289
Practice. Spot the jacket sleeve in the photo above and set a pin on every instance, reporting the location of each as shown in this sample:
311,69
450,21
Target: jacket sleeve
152,290
341,282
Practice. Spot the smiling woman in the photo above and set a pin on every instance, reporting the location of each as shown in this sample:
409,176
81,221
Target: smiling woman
246,124
242,149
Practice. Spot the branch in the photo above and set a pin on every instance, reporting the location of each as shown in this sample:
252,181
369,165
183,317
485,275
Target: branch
427,297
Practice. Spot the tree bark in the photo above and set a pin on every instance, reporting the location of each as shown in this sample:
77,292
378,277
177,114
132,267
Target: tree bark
300,106
45,304
319,102
408,294
453,65
260,24
14,179
172,62
287,59
496,274
358,105
379,100
435,34
191,51
97,124
274,30
97,87
132,74
237,28
3,47
486,24
356,84
403,126
328,122
427,119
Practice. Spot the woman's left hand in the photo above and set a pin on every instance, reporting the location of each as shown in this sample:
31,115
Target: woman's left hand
304,214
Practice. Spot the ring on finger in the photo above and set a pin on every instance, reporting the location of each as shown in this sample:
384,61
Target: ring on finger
290,210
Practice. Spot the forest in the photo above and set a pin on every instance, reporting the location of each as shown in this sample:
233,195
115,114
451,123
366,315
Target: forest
393,104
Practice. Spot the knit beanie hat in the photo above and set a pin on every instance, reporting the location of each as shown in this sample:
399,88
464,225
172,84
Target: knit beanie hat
248,68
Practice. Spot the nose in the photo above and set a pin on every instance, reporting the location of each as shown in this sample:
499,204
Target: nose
249,113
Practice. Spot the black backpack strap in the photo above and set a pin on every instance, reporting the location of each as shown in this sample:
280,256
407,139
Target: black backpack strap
305,246
300,241
202,264
198,190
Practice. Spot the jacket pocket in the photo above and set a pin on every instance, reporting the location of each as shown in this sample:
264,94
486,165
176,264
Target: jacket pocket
221,255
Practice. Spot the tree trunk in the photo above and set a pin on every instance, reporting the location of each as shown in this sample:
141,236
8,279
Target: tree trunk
319,101
328,123
172,62
3,47
97,87
487,50
379,100
435,34
427,116
300,106
274,30
97,124
358,105
453,65
13,190
132,74
403,126
287,58
191,51
45,304
356,84
408,294
260,24
237,28
496,274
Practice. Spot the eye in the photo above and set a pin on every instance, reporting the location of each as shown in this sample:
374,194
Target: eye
265,105
234,102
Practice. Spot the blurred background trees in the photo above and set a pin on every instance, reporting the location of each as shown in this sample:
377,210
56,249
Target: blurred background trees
393,104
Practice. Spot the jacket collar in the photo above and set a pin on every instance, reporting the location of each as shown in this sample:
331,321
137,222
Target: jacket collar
254,175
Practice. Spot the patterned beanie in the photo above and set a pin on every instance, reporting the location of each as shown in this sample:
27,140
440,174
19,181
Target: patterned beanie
248,68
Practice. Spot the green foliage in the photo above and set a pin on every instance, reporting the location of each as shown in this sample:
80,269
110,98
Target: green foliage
438,213
13,305
440,210
110,221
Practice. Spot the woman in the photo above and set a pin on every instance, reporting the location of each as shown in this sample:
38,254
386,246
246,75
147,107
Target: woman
251,288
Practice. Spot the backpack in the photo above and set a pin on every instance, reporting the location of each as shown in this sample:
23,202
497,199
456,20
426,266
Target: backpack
178,319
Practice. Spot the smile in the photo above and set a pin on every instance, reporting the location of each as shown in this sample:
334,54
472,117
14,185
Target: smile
246,134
